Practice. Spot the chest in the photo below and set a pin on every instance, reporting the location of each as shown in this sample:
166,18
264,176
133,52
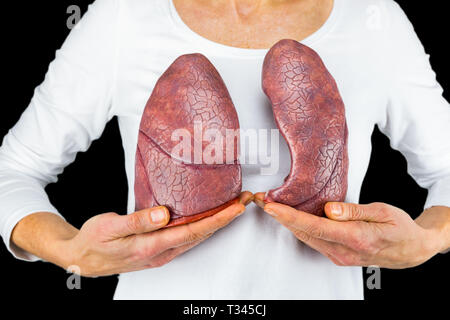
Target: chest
358,81
143,61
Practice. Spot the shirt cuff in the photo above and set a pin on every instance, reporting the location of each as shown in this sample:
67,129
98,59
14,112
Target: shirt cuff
439,194
12,221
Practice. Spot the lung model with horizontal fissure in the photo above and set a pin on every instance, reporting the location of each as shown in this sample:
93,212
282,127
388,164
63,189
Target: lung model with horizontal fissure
189,101
310,114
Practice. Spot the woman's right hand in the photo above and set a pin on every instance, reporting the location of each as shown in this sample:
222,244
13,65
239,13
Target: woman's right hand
110,243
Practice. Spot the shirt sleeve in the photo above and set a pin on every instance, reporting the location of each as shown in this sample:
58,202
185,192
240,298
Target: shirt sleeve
67,112
417,119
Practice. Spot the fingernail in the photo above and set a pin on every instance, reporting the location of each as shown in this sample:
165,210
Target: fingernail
158,215
259,203
335,209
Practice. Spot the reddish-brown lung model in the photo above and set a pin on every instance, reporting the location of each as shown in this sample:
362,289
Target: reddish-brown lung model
311,117
189,94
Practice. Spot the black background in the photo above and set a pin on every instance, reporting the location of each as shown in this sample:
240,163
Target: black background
96,182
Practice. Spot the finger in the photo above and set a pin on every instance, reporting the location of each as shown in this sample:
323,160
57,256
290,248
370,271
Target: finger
193,232
259,199
159,259
314,226
155,243
168,255
139,222
144,262
340,211
246,197
337,253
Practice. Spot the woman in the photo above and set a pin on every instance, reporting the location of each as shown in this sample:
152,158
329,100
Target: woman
108,66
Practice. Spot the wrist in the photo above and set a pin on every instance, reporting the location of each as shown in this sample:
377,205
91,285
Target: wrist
431,242
66,252
436,223
44,235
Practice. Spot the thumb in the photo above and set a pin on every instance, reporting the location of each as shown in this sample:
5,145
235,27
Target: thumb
341,211
142,221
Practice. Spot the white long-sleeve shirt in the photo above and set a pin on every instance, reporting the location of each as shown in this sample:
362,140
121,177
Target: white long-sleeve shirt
108,67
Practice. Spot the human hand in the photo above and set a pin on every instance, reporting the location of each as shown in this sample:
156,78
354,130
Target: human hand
110,243
360,235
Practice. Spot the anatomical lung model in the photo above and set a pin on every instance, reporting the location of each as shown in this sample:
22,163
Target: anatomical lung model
190,101
311,117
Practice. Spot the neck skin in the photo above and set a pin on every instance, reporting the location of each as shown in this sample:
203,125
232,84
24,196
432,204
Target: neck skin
253,23
243,9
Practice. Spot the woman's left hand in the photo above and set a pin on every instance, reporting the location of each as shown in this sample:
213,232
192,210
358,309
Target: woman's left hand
360,235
